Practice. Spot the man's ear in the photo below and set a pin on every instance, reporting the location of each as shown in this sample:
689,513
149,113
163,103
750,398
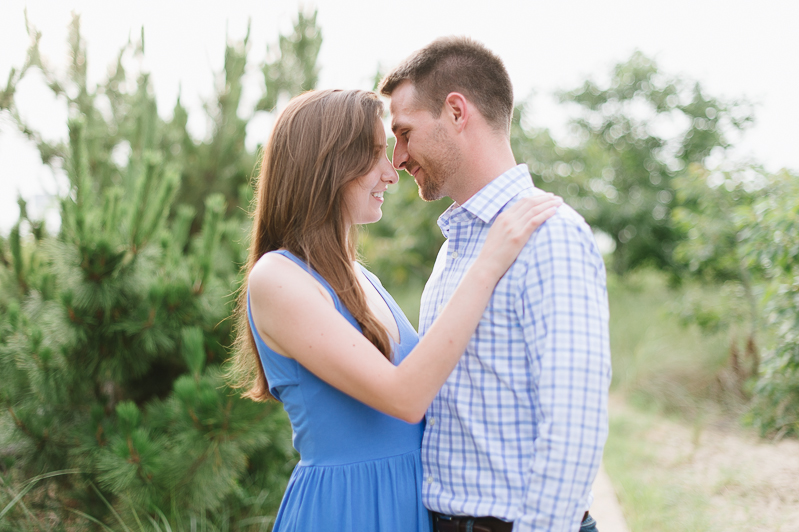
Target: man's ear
457,109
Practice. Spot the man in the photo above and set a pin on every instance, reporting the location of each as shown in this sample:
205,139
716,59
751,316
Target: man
514,439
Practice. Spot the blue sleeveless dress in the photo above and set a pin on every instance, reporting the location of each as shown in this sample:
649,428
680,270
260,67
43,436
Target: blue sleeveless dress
360,470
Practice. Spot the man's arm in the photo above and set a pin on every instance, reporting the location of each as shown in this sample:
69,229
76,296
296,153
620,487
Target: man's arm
563,309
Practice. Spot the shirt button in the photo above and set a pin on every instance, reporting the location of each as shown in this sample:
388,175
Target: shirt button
455,254
430,479
432,421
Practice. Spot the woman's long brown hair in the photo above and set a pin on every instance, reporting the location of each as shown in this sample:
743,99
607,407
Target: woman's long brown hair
321,142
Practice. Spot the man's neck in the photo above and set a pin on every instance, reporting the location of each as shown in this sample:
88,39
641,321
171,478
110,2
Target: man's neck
482,165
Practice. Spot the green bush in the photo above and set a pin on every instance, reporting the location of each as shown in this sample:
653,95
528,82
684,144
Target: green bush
771,240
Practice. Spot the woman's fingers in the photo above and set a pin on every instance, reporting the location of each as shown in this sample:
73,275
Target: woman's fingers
538,219
526,215
534,209
512,229
532,205
514,226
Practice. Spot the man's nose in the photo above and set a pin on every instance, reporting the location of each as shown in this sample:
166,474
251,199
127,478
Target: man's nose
399,157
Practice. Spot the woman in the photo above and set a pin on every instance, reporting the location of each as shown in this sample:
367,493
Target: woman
337,351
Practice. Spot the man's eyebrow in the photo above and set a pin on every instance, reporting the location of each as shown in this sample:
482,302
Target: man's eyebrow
396,124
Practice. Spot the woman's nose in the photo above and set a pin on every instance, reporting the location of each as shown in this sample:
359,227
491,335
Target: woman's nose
389,174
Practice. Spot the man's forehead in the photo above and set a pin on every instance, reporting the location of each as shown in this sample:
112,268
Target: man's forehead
403,103
403,98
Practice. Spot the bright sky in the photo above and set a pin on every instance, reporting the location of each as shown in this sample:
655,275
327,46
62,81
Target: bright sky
735,48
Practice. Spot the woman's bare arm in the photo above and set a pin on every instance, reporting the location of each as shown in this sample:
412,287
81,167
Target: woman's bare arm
297,319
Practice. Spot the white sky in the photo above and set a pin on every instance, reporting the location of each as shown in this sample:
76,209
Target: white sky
734,48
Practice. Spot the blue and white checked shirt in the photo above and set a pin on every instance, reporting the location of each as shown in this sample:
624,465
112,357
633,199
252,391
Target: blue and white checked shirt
518,429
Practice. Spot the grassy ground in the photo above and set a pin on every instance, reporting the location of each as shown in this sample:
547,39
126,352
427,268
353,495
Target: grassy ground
652,499
675,400
673,475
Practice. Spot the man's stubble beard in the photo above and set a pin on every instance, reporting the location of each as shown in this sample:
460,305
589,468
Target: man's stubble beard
442,164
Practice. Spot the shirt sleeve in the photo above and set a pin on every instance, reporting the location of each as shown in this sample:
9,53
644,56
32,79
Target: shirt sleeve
563,309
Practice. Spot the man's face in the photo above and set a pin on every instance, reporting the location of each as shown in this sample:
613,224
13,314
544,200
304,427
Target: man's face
424,147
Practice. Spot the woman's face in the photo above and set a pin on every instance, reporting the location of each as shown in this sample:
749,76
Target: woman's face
363,196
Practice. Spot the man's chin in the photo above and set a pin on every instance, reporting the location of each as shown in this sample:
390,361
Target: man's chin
428,191
429,195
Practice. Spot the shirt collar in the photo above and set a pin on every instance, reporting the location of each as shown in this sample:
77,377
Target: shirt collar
488,201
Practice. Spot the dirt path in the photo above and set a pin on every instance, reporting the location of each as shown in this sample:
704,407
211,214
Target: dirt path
605,509
749,484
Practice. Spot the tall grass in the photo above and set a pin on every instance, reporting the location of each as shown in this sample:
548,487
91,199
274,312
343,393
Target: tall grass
659,361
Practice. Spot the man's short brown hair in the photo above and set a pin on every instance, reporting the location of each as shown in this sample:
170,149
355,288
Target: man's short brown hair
456,64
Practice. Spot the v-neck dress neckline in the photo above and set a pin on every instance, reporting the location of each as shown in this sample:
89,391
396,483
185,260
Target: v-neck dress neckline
388,300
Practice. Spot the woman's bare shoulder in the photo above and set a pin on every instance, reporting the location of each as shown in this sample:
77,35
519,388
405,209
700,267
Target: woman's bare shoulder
275,276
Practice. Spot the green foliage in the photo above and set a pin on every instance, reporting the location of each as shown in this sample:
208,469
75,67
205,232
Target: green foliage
772,242
93,365
738,221
715,213
661,362
632,139
112,331
293,69
220,164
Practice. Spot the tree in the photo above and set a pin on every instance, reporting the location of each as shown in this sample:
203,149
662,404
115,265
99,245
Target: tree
739,222
293,69
715,213
112,332
633,137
